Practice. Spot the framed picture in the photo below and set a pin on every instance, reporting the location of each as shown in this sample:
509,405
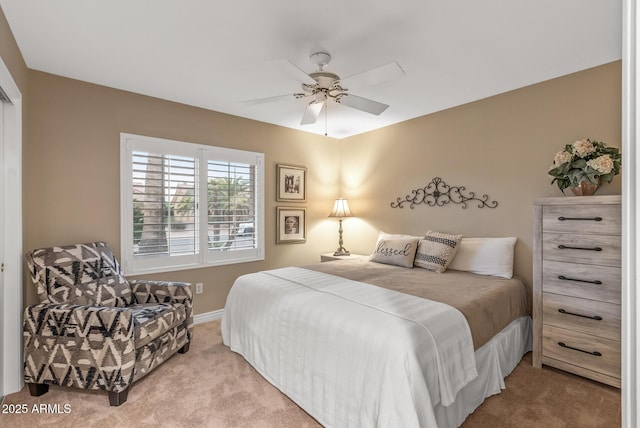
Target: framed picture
292,225
292,183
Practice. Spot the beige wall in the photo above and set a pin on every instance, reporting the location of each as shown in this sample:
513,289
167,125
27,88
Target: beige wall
71,172
501,146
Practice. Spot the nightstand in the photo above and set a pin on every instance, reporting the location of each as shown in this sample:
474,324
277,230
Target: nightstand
329,257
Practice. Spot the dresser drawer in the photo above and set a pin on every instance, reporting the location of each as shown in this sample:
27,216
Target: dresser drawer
582,280
596,219
583,350
582,315
603,250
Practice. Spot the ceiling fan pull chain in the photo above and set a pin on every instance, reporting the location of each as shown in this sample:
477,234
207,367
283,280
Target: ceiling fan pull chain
326,113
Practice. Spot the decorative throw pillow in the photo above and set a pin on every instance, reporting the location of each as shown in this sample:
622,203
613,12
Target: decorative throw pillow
486,256
436,250
399,252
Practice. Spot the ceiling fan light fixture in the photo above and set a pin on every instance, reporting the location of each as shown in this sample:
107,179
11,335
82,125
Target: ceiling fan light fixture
321,97
320,59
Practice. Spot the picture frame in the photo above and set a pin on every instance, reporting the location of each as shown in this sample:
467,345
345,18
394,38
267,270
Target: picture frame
291,183
291,225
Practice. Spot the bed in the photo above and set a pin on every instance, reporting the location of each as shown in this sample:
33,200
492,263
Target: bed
357,343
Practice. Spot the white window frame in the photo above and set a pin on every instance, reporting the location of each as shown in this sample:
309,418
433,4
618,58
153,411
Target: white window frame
132,265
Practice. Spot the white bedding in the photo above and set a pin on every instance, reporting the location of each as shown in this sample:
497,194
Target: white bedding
350,354
495,360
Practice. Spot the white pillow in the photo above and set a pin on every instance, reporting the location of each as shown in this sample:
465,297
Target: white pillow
399,252
485,256
385,235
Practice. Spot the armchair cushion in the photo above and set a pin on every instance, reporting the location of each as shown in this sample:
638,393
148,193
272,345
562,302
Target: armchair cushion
80,274
151,321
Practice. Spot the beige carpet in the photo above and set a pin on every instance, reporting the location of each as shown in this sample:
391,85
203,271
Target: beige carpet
211,386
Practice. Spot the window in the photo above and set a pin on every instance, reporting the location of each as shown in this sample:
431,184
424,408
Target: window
187,205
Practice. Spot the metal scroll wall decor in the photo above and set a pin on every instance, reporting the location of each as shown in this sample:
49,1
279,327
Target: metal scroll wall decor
438,193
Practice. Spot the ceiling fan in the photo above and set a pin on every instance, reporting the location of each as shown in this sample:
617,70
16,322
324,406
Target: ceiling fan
321,86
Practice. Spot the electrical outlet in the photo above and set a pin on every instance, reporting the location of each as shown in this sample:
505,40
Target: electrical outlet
198,288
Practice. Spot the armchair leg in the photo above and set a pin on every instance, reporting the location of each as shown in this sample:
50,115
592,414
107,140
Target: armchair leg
117,398
37,389
185,348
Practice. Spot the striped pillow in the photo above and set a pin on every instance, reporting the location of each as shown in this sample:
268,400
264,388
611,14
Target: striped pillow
436,250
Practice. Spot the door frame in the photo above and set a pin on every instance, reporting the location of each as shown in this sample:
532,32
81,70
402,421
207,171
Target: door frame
11,368
630,215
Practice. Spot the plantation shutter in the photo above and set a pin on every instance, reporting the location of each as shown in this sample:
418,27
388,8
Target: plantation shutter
165,196
231,205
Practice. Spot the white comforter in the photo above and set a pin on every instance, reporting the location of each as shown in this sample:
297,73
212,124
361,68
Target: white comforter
350,354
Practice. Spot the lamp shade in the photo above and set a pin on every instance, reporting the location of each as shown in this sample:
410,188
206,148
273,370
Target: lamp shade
341,209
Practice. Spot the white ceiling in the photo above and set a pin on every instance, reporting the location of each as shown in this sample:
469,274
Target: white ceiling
215,53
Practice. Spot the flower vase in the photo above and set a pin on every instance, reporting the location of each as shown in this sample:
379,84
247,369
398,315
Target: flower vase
586,188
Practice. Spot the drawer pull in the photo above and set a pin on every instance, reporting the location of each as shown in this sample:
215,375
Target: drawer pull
594,353
597,282
580,218
594,317
566,247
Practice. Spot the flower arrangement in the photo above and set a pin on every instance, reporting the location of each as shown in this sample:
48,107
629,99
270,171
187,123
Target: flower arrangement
585,160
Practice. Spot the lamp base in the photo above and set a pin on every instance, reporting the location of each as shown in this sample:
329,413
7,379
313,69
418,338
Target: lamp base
341,252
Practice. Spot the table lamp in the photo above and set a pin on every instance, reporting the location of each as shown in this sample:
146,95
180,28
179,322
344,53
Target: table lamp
340,210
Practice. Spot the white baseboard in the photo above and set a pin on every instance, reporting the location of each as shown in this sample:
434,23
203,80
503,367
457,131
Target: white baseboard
208,316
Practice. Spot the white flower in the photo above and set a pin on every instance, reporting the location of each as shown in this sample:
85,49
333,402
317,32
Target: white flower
582,148
603,164
561,157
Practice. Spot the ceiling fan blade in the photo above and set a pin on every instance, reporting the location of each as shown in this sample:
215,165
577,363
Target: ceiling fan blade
293,71
363,104
259,101
374,76
312,112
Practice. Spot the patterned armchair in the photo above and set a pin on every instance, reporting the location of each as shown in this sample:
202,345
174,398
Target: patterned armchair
93,329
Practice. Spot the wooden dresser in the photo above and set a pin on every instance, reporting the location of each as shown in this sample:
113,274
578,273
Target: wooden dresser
576,285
